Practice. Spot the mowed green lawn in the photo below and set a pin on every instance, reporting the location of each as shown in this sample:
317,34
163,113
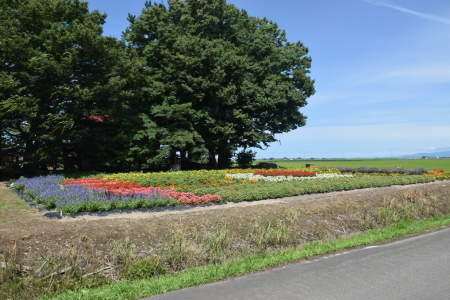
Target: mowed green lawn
409,164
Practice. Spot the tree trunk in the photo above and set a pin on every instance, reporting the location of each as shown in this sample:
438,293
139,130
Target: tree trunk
223,160
43,167
30,163
216,165
2,155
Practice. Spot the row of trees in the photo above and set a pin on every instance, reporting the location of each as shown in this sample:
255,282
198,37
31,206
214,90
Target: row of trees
194,79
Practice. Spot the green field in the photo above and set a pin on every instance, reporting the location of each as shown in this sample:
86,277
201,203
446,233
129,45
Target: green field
409,164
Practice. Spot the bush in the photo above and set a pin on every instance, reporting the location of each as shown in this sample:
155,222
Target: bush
245,159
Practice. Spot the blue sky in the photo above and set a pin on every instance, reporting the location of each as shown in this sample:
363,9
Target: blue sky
382,72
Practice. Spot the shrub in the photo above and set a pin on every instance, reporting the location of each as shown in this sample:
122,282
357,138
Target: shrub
244,159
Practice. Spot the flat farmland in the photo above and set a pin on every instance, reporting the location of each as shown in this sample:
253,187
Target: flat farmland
410,164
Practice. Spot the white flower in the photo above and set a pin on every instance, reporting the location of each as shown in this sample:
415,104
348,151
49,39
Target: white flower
250,176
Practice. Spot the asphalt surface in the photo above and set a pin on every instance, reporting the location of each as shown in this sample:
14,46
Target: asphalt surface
414,268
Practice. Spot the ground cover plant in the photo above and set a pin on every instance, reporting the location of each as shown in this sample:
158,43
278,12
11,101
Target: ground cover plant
270,190
285,173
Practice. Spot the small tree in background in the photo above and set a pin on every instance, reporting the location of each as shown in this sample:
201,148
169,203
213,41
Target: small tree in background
245,159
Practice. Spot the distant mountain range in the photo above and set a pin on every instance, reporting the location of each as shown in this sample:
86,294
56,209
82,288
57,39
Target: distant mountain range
429,154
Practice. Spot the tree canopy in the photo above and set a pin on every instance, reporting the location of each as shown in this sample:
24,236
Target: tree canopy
56,68
196,77
220,78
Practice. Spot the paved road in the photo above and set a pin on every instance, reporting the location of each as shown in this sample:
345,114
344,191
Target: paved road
415,268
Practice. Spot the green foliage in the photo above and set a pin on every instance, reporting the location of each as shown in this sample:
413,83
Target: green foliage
199,78
245,159
160,202
56,69
216,79
270,190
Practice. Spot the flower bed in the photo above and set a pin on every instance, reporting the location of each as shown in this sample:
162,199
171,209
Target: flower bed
101,195
190,180
439,174
261,178
397,170
176,180
293,188
132,190
284,173
99,183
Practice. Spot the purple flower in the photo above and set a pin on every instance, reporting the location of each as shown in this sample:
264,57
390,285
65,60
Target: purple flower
49,192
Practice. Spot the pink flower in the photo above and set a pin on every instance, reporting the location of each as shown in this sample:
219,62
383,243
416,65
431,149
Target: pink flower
121,188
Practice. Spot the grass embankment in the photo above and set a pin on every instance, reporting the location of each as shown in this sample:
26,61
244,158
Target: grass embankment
3,207
409,164
13,209
252,263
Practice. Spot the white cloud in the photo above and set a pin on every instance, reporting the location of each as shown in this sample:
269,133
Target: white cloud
351,97
396,132
430,148
405,10
433,74
426,74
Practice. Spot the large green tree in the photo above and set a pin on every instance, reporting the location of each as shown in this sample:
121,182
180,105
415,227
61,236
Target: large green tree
216,79
57,70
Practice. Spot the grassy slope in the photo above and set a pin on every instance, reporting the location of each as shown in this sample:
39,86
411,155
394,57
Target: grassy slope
196,276
374,163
